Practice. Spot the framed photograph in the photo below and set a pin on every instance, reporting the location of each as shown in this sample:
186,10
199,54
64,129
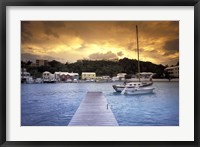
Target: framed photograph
80,73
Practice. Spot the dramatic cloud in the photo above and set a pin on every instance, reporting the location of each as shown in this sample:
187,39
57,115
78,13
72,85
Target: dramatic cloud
171,46
130,46
106,56
50,32
120,53
26,34
74,40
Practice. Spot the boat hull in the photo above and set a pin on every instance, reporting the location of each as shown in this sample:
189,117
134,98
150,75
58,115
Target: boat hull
120,88
139,91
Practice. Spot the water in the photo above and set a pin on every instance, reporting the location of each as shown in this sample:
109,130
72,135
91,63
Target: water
55,104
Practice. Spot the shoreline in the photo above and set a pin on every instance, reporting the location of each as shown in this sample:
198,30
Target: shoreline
154,80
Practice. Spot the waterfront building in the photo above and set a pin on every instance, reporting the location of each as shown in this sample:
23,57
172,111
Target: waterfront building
24,73
144,75
66,76
106,78
48,77
75,76
61,76
26,76
121,76
173,71
103,79
88,75
115,78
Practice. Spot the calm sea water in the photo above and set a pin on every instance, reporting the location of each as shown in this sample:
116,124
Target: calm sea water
55,104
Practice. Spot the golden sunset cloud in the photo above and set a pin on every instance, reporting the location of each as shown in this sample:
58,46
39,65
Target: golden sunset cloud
69,41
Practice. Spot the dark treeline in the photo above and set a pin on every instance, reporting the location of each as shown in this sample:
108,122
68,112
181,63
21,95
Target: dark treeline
100,67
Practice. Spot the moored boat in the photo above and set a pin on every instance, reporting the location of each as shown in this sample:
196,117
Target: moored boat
136,87
139,90
131,85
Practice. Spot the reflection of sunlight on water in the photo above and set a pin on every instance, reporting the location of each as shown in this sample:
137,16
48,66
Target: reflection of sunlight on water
55,104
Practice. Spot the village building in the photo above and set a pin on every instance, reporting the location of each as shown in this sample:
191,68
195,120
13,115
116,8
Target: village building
66,76
26,76
173,71
103,79
48,77
115,78
121,76
88,76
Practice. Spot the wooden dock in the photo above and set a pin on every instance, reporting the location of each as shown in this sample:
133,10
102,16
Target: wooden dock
93,111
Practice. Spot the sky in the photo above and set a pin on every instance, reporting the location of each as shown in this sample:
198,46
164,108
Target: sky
69,41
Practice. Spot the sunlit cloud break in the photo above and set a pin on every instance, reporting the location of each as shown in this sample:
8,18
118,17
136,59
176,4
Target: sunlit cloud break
69,41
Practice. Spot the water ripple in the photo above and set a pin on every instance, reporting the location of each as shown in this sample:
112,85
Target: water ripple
55,104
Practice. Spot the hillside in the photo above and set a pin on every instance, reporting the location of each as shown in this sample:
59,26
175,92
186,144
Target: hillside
101,67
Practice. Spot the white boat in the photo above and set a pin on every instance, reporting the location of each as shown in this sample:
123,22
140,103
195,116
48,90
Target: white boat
38,80
75,81
136,87
131,85
139,90
29,80
68,81
146,76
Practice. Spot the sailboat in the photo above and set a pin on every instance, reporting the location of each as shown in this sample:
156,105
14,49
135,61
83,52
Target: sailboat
135,87
132,85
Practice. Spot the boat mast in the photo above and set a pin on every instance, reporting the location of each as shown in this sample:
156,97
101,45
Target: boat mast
138,52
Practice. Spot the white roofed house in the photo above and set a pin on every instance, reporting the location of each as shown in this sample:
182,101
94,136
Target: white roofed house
75,76
173,71
66,76
57,76
103,79
115,78
48,77
61,76
145,75
26,76
121,76
88,76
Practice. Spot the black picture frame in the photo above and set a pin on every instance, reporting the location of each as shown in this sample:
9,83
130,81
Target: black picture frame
5,3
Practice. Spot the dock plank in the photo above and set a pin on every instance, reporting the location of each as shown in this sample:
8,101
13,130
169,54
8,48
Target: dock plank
93,111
